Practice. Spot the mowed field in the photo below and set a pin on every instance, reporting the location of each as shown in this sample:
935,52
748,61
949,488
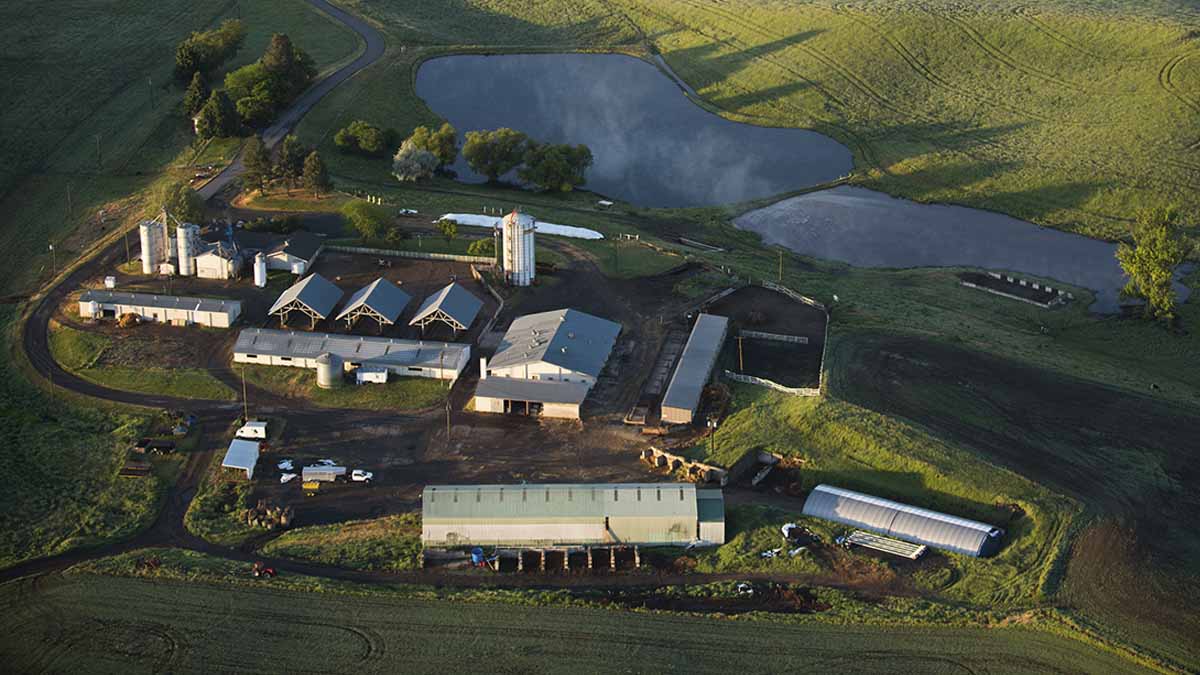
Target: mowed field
91,112
1069,114
119,625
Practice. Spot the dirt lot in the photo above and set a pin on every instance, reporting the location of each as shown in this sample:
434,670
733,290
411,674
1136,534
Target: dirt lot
759,309
411,452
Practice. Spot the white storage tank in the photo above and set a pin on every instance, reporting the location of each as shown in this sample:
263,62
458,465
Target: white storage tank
153,237
517,232
329,371
260,270
188,237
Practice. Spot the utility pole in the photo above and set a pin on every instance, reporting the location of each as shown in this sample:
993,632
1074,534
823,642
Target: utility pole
741,363
98,161
53,261
245,403
70,209
781,266
150,87
128,258
447,421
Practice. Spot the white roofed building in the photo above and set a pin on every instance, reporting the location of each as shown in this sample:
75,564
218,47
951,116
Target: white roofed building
299,349
172,309
563,345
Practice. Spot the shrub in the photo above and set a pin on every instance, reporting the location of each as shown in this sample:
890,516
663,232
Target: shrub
411,163
205,51
364,138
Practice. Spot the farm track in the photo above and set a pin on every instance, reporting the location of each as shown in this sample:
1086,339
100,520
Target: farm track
1029,16
1166,82
926,73
997,53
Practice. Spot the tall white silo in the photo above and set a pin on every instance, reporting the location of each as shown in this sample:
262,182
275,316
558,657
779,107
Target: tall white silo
152,236
260,270
188,237
516,231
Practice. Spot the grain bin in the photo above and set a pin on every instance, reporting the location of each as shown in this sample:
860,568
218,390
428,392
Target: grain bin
329,371
260,270
187,236
153,240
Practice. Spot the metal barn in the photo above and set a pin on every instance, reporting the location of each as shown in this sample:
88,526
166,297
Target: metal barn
909,523
569,514
172,309
695,367
301,349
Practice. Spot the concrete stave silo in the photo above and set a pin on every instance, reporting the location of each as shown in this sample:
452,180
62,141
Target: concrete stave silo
517,238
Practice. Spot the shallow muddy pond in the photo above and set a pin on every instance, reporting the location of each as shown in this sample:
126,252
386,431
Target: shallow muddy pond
871,229
652,145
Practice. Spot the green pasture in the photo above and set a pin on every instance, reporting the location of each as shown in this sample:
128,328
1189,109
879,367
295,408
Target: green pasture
388,543
399,393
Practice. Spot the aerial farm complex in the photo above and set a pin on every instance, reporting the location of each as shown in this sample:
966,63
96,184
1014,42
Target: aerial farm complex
630,336
503,352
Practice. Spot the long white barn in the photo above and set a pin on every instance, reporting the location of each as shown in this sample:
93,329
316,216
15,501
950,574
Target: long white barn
300,349
172,309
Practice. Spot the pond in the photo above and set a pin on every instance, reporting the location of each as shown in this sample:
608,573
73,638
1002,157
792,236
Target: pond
871,229
652,145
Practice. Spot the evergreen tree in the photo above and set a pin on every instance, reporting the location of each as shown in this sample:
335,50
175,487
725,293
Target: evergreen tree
218,117
316,178
257,160
196,95
290,165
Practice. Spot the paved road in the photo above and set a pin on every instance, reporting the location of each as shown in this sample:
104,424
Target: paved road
292,116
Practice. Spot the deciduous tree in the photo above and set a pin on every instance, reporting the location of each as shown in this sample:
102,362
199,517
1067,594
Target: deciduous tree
494,153
443,143
1158,248
179,199
559,168
410,163
369,220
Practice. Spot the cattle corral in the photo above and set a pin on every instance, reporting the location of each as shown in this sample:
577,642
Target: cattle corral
765,311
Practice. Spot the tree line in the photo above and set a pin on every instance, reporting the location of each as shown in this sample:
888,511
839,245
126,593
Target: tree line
253,94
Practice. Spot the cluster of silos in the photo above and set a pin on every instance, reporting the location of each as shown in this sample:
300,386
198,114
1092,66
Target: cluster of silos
329,371
518,262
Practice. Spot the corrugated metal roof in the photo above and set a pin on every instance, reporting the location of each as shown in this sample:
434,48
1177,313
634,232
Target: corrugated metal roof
910,523
567,338
539,391
558,502
696,362
241,455
454,301
351,348
162,301
710,506
381,296
314,291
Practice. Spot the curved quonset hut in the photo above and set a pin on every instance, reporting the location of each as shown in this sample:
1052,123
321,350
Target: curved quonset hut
893,519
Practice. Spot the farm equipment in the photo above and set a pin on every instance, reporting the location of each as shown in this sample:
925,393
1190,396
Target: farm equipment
269,517
311,488
262,571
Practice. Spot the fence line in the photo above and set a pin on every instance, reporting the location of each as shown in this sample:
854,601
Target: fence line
762,382
495,315
794,295
778,337
480,260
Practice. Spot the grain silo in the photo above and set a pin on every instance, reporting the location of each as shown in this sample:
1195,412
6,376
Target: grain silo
517,231
154,243
188,237
329,371
260,270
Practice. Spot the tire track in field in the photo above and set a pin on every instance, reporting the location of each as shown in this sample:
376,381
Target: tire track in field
1166,82
927,73
998,54
1029,15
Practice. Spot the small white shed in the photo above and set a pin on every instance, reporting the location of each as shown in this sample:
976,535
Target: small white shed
371,375
253,429
242,454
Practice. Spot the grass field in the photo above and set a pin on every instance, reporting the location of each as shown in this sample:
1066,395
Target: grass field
66,457
389,543
75,73
82,353
216,512
400,393
106,624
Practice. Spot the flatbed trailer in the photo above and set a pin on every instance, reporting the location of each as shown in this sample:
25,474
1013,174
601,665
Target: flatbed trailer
878,542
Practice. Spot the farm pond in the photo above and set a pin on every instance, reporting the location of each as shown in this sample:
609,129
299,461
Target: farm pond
652,145
871,229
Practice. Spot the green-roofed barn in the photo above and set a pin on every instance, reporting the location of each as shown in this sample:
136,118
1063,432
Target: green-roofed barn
571,514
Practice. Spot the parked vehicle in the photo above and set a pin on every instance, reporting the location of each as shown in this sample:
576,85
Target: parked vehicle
323,473
360,476
252,429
